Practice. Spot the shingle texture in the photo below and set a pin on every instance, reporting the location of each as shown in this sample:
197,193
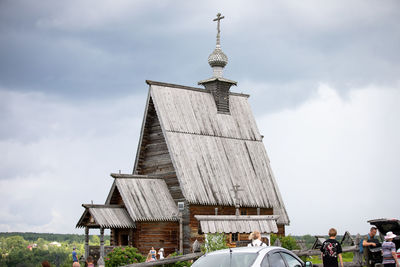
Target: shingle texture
211,152
108,217
147,199
237,224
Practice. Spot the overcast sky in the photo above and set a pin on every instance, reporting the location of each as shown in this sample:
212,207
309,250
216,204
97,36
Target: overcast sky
324,80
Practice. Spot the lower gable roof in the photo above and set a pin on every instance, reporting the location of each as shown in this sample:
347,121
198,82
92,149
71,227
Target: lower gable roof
146,198
105,216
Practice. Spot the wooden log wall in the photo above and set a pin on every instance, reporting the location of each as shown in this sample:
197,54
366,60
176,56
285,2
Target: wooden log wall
157,235
116,198
154,158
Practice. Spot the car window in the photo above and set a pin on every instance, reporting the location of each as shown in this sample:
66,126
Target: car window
291,261
276,260
226,260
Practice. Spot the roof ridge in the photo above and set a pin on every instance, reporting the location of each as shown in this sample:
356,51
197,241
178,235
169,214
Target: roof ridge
185,87
134,176
217,136
102,206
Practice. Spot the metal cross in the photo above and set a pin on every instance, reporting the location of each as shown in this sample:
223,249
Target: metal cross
237,200
218,18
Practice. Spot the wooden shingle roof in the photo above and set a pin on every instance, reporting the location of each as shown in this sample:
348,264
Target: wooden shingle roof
146,199
105,216
237,224
211,152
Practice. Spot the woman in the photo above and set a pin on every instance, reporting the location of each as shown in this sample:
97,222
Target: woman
255,238
389,251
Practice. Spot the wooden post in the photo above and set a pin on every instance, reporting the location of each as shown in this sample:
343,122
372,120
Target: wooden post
130,243
180,232
358,257
86,242
112,237
101,242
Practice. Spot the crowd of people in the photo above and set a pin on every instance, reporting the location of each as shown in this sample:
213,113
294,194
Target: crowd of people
331,250
152,255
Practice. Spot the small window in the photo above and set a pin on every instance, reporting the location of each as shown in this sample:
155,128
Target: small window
243,212
234,237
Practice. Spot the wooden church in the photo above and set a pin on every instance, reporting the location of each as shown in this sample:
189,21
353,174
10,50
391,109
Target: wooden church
199,149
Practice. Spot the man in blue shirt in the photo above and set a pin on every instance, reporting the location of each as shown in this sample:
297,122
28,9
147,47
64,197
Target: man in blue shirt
74,256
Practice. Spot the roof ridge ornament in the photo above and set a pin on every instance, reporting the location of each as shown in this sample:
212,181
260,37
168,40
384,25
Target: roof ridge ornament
217,58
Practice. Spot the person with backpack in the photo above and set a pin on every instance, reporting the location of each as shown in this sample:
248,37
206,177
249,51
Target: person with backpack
331,250
255,238
369,242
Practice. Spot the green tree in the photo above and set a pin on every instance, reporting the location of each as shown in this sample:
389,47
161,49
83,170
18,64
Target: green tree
94,240
214,242
288,241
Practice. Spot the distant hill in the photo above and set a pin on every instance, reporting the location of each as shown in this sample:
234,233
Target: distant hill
29,236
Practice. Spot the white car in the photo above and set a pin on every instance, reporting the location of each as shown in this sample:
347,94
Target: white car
251,257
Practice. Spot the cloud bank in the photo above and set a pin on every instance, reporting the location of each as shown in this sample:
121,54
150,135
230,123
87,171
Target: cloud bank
323,79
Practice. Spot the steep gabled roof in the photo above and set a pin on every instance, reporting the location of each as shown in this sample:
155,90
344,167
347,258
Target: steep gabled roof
211,152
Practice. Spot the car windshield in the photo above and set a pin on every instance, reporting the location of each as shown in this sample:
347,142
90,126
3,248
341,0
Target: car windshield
226,260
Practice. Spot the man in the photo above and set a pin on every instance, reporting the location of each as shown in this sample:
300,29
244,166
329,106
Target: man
368,242
74,255
331,250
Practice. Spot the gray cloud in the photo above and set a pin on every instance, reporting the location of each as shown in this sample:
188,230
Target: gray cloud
73,93
95,49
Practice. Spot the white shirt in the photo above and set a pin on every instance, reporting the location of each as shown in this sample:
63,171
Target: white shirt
256,243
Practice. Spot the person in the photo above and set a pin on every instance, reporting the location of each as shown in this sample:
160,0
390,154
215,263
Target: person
389,251
74,255
45,264
368,243
331,250
255,238
149,257
89,261
161,253
153,253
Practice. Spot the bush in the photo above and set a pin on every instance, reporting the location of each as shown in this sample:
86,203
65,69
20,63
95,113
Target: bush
288,242
123,256
214,242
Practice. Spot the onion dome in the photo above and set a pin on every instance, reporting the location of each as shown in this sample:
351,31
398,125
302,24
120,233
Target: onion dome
217,58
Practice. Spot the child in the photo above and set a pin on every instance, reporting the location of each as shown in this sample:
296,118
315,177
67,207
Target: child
89,261
331,250
149,258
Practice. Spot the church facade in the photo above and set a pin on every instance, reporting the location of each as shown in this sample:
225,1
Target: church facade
201,167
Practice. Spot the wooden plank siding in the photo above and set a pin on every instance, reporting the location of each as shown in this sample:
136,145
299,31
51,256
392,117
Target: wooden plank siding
157,235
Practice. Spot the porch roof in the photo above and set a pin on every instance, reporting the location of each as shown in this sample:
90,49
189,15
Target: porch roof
237,224
105,216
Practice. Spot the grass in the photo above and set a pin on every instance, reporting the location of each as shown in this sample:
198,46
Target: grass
347,257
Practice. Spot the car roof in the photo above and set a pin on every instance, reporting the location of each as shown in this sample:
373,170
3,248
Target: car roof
245,250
